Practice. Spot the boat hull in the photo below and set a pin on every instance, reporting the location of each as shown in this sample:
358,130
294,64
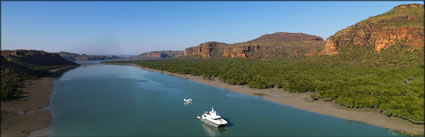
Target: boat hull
211,123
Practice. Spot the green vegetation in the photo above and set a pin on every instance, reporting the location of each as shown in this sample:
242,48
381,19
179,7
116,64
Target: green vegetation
391,80
397,17
12,76
10,88
20,65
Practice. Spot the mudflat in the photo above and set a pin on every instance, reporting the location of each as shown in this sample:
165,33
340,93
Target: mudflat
302,101
21,116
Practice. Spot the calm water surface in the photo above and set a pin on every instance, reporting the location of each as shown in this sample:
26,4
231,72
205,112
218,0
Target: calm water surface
113,100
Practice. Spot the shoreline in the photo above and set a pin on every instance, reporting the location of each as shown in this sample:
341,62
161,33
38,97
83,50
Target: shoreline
22,116
298,100
29,113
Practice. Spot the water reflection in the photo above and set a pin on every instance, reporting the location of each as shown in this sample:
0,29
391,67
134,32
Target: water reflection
213,131
187,103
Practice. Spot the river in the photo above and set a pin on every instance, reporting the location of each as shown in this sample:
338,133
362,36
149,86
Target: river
115,100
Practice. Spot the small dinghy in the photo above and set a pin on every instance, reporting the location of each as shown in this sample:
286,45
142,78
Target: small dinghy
188,100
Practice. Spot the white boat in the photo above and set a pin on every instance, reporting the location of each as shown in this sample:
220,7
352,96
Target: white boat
211,118
187,100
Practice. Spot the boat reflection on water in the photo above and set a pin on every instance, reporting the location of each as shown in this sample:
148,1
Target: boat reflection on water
187,103
213,131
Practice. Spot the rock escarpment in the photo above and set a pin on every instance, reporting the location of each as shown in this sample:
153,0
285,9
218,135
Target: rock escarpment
404,23
205,50
267,46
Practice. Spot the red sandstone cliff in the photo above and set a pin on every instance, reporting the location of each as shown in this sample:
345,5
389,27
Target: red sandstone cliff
402,23
267,46
205,50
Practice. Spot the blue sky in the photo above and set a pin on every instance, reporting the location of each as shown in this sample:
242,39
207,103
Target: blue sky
135,27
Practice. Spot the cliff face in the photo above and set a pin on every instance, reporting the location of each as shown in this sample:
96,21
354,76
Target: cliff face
160,54
205,50
267,46
153,55
35,58
402,23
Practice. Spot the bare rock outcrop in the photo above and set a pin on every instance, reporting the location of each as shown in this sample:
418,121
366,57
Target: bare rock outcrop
402,23
267,46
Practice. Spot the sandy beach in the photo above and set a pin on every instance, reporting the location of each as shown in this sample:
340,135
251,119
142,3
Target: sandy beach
22,116
298,100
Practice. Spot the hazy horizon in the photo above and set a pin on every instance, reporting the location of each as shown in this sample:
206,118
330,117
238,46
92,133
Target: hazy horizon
130,28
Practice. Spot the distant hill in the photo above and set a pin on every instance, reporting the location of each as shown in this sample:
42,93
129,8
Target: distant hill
68,55
85,57
404,24
160,54
394,38
20,65
34,58
267,46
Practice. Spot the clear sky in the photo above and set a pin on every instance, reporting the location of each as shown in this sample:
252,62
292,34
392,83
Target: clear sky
133,27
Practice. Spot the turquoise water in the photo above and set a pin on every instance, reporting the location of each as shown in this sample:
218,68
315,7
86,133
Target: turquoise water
113,100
